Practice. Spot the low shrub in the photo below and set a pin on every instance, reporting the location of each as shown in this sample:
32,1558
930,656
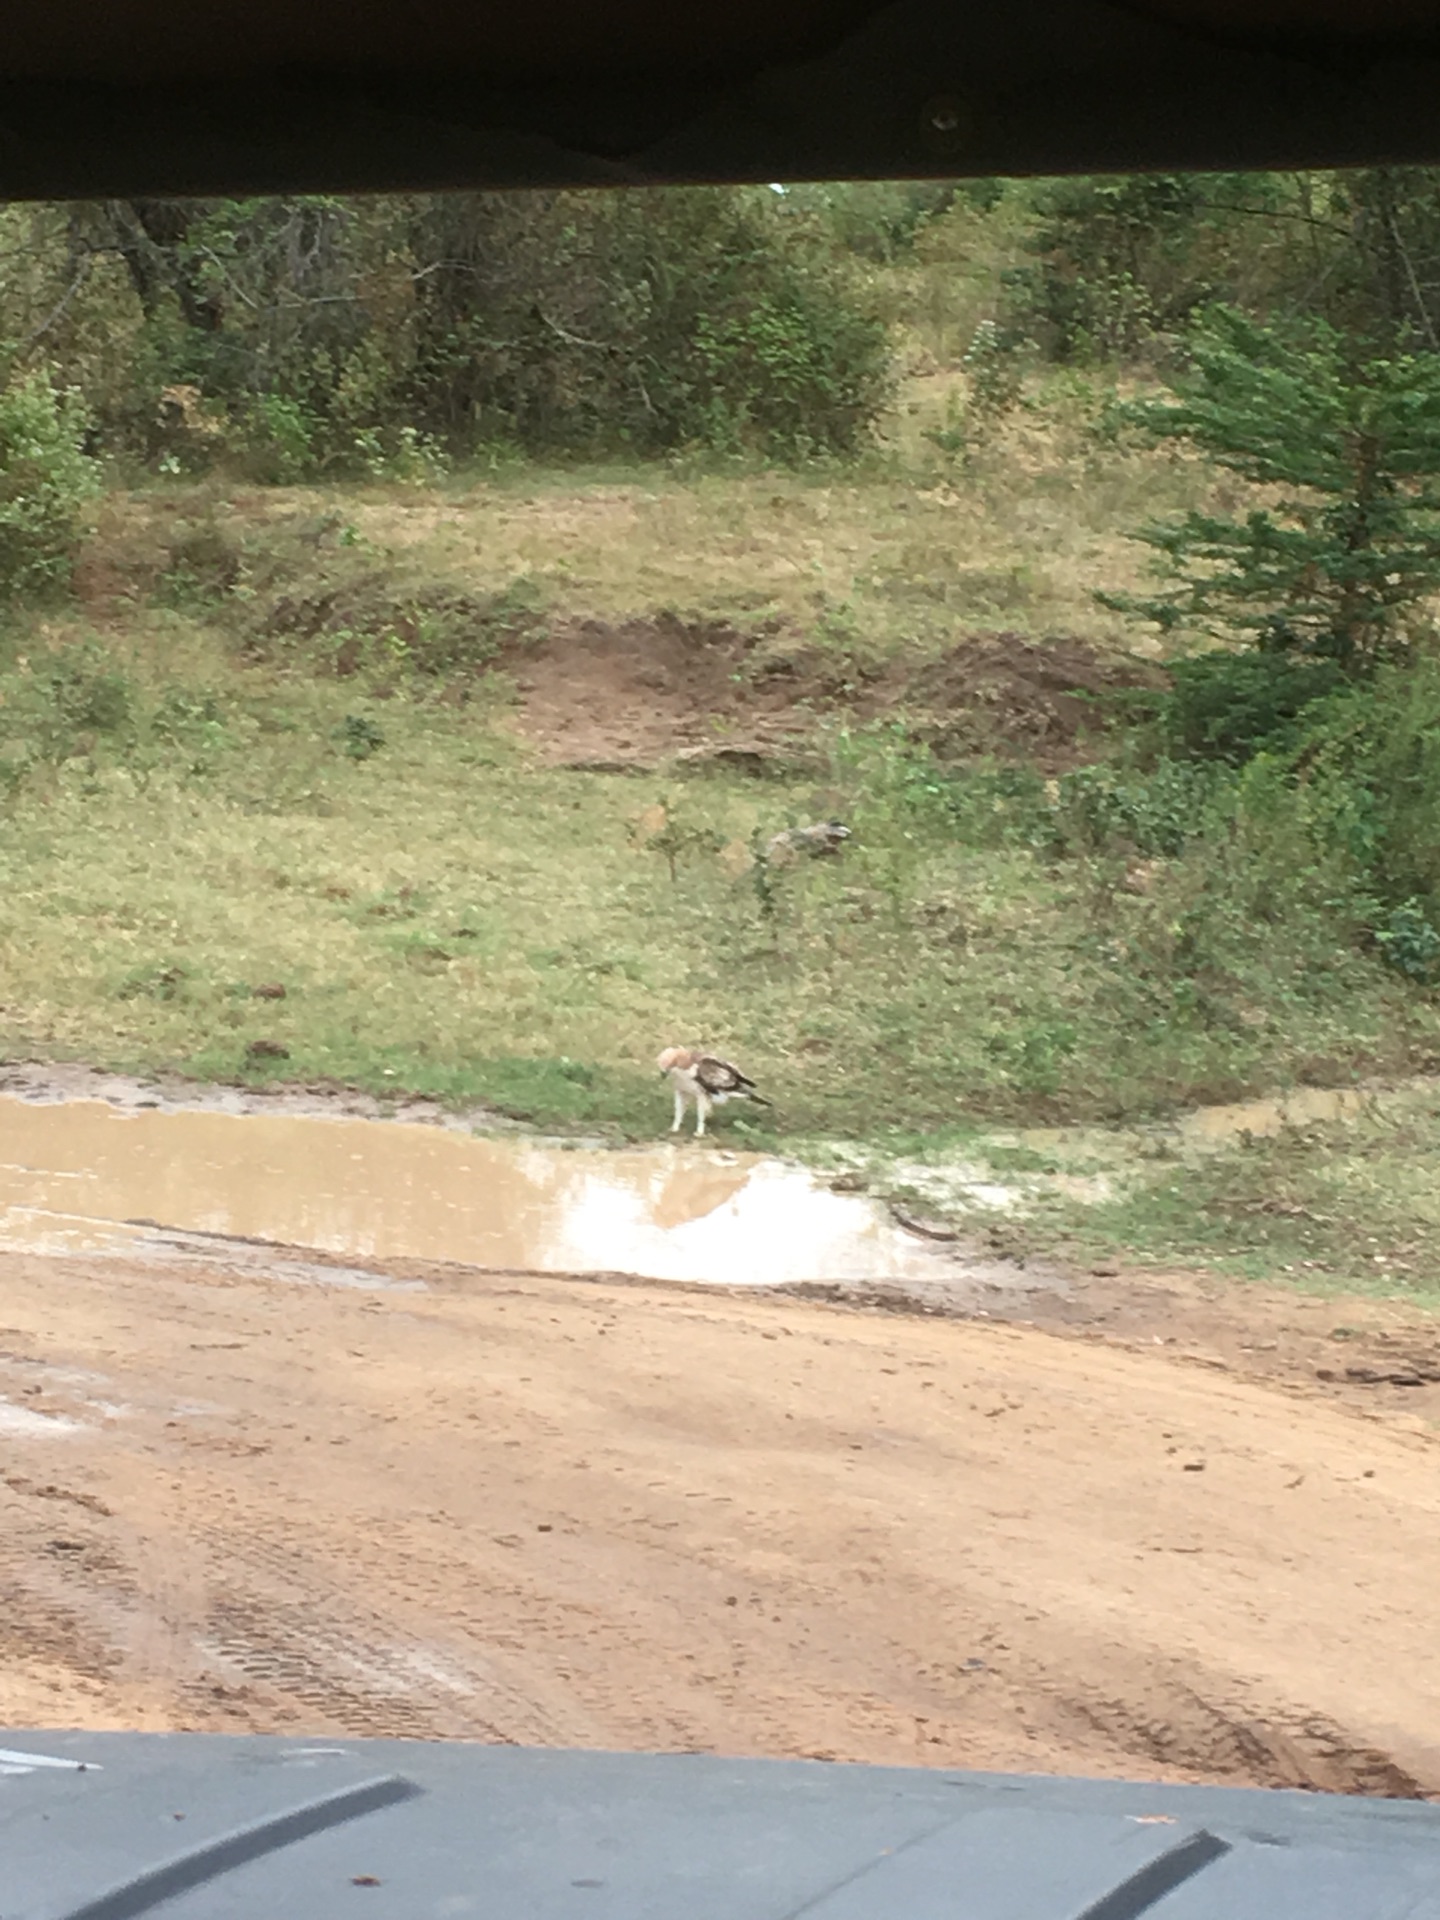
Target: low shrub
46,482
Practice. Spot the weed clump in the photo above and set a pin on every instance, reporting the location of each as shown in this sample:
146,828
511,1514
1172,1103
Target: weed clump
360,736
307,593
675,835
163,982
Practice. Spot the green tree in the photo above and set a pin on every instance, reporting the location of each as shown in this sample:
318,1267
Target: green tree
584,323
1114,267
333,335
1337,556
1109,264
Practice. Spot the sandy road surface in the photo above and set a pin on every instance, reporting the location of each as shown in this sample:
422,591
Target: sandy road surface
548,1512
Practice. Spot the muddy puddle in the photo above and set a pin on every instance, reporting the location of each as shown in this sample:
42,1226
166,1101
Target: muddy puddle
84,1176
135,1169
1304,1107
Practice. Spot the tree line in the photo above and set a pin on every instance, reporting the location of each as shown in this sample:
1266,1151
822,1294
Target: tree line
324,335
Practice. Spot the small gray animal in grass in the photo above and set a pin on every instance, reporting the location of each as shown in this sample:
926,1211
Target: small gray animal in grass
821,841
705,1079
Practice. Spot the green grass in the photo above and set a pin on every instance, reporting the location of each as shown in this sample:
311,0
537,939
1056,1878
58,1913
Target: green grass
1350,1207
897,552
448,917
1344,1206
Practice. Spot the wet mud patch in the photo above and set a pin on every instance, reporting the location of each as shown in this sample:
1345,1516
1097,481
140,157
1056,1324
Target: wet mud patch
55,1083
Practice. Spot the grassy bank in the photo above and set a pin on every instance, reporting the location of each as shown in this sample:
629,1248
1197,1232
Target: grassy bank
1013,525
447,914
1351,1206
276,809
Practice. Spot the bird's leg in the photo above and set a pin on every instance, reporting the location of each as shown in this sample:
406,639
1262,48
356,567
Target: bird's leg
702,1107
679,1110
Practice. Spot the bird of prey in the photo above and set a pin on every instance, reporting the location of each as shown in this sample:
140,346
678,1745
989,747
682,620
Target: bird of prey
705,1079
821,841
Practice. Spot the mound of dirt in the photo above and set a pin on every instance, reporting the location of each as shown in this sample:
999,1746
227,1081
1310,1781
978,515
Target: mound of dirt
611,698
992,691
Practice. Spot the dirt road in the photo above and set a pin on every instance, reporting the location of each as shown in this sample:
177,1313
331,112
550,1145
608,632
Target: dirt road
232,1498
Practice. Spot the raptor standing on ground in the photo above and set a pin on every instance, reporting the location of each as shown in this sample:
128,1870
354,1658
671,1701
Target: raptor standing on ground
706,1080
821,841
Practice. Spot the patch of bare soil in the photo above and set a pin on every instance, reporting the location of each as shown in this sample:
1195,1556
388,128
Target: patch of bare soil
234,1499
604,697
1379,1356
611,698
1000,690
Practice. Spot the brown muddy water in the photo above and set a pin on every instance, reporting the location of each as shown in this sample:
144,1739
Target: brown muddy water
82,1176
127,1171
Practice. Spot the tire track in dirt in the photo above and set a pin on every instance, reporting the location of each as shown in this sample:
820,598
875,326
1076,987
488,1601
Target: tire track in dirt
280,1618
236,1618
1183,1730
52,1573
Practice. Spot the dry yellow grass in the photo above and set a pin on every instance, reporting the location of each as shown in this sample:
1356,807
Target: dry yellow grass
913,547
908,550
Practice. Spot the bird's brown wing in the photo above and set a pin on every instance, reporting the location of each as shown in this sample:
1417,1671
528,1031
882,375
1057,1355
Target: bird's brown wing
718,1076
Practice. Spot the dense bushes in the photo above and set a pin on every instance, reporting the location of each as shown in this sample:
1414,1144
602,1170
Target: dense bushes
382,337
1370,764
585,323
1311,807
1346,774
1109,263
1115,268
377,335
45,483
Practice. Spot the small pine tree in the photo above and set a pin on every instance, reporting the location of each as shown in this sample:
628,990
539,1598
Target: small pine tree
1338,559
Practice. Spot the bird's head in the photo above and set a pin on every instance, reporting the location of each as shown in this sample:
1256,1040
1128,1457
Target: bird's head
671,1057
